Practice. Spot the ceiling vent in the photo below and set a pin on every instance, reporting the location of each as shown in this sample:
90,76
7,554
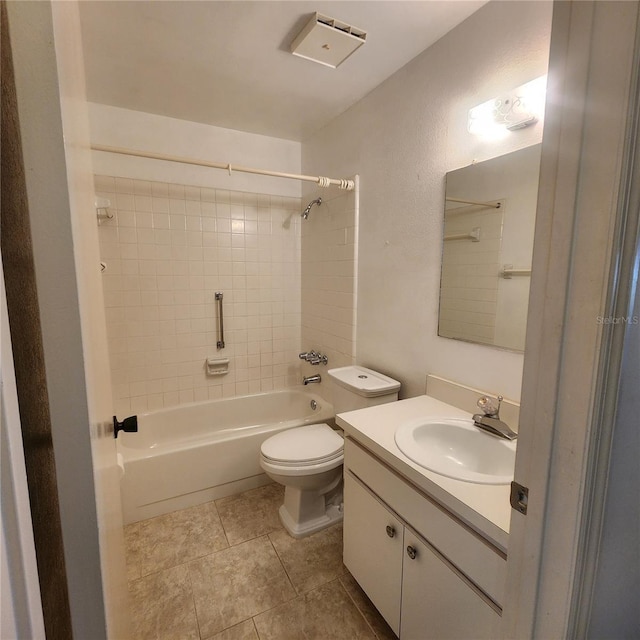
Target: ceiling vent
327,41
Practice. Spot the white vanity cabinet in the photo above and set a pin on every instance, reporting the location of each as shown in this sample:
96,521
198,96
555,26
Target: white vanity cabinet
439,602
373,548
428,575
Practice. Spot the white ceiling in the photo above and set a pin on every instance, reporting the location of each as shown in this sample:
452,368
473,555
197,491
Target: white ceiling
228,63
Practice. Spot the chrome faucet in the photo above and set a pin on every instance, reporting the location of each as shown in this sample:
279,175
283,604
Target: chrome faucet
309,379
313,357
489,419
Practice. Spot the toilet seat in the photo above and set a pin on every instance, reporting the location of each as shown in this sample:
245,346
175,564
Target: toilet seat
311,445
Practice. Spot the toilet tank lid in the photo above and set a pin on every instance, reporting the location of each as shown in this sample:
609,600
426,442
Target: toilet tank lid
363,381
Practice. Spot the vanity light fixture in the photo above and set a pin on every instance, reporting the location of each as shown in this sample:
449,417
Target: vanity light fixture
518,109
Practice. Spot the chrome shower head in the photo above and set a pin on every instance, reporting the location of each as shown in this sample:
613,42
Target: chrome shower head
305,213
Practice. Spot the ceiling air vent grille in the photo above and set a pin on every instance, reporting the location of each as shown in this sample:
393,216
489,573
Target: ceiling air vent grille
327,41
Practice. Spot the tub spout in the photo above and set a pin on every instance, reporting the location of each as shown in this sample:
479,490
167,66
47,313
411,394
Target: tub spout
309,379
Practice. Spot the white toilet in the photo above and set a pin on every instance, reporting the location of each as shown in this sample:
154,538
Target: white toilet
308,460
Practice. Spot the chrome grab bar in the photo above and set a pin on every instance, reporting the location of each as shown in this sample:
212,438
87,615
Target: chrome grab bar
508,272
220,343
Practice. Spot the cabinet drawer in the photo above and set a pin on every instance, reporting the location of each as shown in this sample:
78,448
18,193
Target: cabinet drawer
476,558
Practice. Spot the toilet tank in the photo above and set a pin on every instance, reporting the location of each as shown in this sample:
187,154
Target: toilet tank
356,387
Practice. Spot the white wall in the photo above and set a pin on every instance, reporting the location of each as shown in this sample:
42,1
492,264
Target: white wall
117,127
402,139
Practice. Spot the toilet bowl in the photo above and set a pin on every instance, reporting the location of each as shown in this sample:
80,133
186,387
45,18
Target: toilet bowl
308,460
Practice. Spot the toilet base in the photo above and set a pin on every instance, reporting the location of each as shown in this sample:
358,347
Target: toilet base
332,515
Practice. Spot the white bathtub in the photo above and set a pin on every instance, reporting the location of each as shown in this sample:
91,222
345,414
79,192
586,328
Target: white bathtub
207,450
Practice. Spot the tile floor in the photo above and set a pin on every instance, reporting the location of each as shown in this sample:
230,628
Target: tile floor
227,570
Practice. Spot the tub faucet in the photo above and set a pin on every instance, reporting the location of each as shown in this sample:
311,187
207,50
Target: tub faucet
489,419
309,379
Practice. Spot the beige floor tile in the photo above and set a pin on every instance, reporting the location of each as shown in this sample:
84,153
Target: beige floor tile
311,561
133,550
251,514
372,615
237,583
326,613
162,606
173,539
244,631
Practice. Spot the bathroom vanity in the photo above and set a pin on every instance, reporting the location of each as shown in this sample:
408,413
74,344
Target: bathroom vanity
430,551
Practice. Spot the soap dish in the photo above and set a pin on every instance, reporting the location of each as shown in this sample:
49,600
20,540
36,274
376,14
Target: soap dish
217,366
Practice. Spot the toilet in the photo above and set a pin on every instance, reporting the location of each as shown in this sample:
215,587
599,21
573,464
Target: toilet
308,460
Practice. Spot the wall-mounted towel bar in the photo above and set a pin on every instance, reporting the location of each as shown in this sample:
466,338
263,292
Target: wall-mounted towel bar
220,342
474,236
508,272
490,205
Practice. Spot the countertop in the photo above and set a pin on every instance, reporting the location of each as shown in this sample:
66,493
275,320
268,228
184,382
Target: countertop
485,508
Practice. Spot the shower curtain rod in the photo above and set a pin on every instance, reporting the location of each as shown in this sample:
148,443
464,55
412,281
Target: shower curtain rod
341,183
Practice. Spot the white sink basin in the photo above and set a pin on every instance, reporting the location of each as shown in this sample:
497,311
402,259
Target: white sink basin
457,449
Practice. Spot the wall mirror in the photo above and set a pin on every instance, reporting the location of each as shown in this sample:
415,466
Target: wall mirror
489,220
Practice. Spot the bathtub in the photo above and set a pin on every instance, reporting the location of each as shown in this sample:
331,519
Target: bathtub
198,452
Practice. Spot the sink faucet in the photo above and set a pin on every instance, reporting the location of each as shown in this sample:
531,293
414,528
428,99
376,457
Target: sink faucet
489,419
309,379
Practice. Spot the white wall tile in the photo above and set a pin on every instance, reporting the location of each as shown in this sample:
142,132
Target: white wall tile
169,248
328,299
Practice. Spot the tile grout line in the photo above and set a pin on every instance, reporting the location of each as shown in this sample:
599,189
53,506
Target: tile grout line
355,604
255,628
224,531
193,601
302,595
283,567
286,573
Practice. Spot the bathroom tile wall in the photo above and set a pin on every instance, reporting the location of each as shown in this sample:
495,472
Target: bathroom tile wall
167,250
329,257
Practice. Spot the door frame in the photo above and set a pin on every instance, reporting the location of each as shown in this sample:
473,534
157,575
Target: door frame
54,130
21,614
568,350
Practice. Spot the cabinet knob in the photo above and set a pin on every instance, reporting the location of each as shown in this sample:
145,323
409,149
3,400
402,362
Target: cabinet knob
412,552
391,531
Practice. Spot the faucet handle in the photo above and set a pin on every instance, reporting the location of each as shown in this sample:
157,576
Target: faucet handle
313,357
488,406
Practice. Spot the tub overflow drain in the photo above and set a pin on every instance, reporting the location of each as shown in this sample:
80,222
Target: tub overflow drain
363,377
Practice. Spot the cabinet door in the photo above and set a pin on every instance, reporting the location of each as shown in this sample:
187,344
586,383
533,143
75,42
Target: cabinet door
438,603
373,547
